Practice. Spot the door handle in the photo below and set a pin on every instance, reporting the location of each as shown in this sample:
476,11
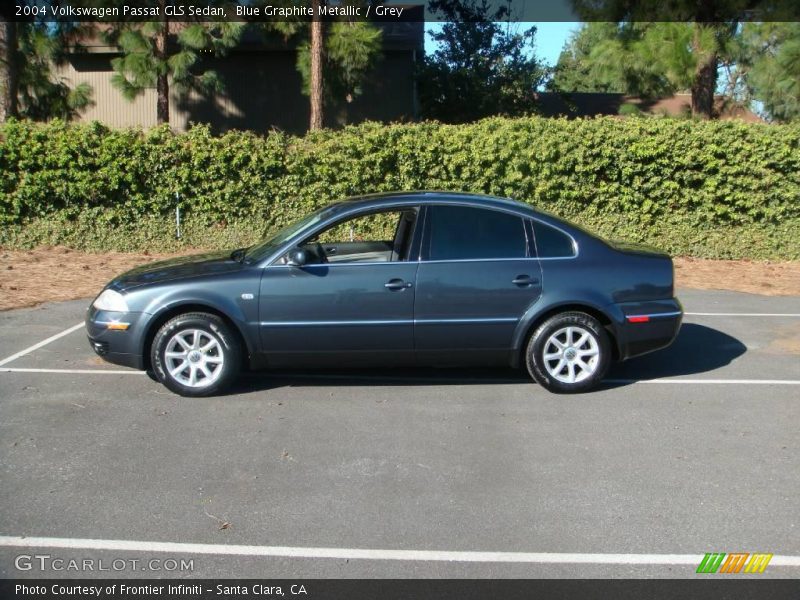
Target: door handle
524,280
330,250
397,284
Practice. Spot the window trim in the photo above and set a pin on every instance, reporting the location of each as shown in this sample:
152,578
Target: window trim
425,246
575,246
321,227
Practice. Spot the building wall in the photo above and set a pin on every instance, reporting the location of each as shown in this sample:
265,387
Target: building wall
108,106
262,91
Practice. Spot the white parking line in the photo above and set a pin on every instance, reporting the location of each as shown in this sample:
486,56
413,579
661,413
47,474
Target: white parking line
371,554
72,371
52,338
717,314
488,380
711,381
445,380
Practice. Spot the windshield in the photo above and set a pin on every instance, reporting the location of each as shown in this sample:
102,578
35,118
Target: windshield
274,240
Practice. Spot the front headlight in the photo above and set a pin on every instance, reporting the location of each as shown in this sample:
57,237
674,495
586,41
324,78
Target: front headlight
111,300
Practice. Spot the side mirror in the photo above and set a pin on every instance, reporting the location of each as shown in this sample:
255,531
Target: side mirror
297,257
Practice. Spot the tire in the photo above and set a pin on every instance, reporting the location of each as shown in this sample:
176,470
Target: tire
569,353
207,349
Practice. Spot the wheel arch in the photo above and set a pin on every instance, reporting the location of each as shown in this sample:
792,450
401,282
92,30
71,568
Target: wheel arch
173,311
528,326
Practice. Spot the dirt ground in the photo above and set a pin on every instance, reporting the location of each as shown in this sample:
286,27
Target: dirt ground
28,278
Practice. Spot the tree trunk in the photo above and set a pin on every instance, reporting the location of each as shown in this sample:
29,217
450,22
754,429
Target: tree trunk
705,79
316,67
162,104
9,69
162,79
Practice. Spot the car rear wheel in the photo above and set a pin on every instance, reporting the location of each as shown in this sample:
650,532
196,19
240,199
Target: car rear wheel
570,352
196,354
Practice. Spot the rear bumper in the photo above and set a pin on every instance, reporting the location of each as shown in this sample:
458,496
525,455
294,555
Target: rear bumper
121,347
647,326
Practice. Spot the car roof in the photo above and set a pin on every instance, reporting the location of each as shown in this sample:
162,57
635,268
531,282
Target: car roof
428,197
436,197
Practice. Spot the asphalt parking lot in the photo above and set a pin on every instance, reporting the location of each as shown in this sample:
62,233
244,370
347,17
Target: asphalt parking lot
690,450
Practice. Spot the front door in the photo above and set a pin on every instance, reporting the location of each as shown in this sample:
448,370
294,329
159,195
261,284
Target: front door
351,304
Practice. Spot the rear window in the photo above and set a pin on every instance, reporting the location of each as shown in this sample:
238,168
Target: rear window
551,243
460,232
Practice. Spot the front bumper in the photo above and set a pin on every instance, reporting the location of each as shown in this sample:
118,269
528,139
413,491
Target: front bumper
118,346
647,326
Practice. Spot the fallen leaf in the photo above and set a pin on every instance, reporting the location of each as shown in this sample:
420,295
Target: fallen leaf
223,524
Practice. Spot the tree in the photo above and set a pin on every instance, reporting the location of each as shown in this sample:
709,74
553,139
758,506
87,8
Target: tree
29,53
576,72
772,66
684,42
349,51
164,52
481,66
315,77
9,68
647,59
334,58
42,94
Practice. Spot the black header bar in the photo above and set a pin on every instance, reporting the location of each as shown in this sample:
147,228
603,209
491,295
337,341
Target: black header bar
707,11
398,589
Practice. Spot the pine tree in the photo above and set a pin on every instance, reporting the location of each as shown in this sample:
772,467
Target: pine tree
162,53
334,59
29,52
9,68
349,52
316,49
647,59
773,68
684,52
576,72
42,94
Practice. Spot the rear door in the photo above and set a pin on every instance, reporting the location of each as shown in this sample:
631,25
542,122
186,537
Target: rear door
475,281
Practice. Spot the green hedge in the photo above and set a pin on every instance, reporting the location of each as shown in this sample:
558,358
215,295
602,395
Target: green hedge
709,189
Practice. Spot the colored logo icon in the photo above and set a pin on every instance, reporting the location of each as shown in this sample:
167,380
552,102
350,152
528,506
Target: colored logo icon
735,562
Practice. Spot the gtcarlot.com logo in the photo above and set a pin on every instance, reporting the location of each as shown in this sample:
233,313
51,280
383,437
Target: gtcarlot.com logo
735,562
47,562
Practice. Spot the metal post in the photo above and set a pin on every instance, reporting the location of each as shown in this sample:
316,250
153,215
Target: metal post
177,220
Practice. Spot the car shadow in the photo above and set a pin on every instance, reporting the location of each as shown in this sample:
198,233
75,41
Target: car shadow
697,349
395,377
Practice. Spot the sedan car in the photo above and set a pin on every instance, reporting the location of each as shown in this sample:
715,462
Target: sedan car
415,278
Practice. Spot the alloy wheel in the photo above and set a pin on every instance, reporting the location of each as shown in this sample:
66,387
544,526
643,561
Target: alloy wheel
571,354
194,358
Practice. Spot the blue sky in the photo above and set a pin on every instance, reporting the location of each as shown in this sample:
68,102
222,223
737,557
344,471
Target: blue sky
550,38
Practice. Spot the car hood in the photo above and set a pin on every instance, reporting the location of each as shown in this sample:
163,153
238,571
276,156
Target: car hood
182,267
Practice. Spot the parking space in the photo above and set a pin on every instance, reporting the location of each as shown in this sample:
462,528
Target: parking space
454,473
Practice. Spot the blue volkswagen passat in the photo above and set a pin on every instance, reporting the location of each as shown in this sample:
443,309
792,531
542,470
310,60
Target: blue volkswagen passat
418,278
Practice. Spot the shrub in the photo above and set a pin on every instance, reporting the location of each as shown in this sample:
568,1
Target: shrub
630,110
709,189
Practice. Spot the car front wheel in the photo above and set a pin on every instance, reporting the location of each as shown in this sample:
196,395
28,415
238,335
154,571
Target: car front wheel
570,352
196,354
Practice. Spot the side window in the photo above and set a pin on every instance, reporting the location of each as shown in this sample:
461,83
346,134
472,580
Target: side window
376,227
382,236
551,243
458,232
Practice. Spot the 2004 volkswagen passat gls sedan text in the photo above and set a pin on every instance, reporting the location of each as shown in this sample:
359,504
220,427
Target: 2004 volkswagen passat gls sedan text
420,278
